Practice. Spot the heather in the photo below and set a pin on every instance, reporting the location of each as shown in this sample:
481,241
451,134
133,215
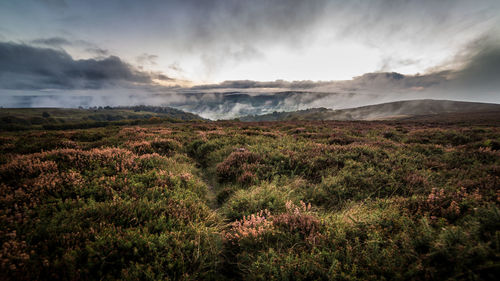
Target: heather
229,200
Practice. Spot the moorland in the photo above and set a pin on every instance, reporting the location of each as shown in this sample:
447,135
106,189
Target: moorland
155,198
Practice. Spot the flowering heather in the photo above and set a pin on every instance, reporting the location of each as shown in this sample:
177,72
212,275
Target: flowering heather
251,227
300,219
139,147
258,226
450,204
238,165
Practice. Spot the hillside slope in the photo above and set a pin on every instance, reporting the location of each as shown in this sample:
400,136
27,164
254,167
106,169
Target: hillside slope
384,111
24,118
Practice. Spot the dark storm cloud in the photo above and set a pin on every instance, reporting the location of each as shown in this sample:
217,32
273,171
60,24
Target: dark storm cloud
482,67
27,67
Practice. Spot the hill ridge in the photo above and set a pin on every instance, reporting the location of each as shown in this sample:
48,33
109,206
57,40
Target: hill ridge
382,111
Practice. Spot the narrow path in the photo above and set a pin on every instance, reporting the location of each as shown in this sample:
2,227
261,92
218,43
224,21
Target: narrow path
211,195
228,270
210,182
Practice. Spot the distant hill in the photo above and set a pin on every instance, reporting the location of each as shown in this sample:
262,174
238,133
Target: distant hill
68,118
385,111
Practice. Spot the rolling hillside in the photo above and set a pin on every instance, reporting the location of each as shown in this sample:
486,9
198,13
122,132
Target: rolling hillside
72,118
384,111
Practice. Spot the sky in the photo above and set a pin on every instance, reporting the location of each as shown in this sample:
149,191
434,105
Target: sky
183,52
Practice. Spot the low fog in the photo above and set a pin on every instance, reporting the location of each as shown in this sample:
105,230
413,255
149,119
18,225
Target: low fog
33,76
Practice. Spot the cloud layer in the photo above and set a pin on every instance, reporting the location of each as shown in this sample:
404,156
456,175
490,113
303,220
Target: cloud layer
217,40
31,75
32,68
